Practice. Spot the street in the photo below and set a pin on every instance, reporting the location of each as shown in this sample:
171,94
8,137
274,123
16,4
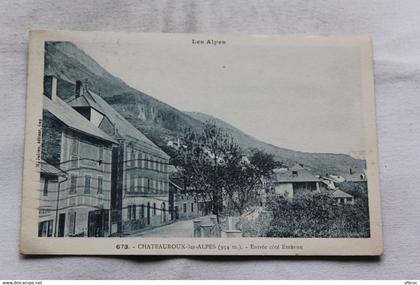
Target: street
182,228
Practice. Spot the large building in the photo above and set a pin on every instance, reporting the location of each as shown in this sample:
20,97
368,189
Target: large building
140,182
83,152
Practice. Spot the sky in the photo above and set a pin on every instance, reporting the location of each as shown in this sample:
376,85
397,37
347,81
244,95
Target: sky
292,95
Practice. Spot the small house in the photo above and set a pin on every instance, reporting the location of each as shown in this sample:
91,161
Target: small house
342,198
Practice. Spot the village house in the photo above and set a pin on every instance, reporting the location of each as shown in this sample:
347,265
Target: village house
357,177
185,202
342,198
51,178
140,180
294,181
83,151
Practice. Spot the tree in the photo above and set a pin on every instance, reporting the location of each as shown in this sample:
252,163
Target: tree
243,177
200,158
214,164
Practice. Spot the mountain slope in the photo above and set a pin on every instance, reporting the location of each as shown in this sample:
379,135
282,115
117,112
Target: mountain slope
66,60
319,163
161,122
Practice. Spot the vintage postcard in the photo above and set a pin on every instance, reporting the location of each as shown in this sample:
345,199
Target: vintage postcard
194,144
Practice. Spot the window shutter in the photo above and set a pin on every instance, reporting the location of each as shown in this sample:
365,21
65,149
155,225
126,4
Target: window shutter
100,182
87,184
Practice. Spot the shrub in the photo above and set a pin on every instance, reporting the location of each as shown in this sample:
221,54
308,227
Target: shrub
317,215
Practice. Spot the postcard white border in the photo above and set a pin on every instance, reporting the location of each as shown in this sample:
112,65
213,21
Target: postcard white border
30,243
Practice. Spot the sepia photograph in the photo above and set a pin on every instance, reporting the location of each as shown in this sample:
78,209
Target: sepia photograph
199,136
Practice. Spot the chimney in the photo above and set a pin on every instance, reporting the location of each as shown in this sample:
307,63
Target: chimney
85,85
351,171
50,87
79,89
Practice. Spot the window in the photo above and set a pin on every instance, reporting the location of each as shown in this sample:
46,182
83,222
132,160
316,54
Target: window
75,146
294,173
139,160
74,153
142,211
45,192
73,184
133,209
133,158
184,206
129,212
142,160
163,211
154,209
148,185
100,184
127,159
72,223
146,162
141,184
148,213
101,154
87,184
45,228
192,207
132,181
74,161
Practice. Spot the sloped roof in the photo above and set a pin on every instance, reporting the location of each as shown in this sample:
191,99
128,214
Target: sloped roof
124,128
85,100
72,119
295,174
341,194
47,168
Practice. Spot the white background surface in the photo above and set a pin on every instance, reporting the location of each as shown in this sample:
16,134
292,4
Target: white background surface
395,29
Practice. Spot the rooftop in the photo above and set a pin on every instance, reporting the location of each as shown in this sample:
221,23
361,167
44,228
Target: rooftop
72,119
294,174
341,194
49,169
124,128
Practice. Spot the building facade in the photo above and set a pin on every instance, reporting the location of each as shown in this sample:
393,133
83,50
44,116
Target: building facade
185,203
51,177
140,180
84,153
